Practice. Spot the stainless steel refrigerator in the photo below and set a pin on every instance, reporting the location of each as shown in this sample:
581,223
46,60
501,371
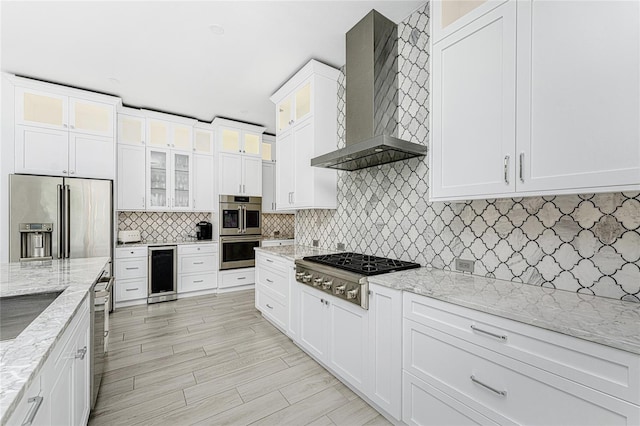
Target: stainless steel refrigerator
79,210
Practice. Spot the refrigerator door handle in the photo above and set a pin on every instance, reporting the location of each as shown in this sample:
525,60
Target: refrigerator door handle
66,225
60,214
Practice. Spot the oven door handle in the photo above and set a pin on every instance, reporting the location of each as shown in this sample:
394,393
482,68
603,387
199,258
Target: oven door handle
244,219
240,238
239,219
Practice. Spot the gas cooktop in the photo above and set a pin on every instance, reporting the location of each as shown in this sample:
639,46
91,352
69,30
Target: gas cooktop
362,264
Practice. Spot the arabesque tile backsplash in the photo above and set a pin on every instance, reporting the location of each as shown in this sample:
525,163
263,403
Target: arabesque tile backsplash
586,243
162,226
283,223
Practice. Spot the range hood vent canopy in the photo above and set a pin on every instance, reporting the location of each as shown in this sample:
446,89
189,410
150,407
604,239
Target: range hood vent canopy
371,100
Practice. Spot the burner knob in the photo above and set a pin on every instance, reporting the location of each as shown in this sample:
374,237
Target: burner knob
327,285
299,275
340,289
317,282
352,294
307,278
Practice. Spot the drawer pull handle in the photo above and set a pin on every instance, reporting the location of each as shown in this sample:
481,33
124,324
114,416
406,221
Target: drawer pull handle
131,289
34,409
131,269
269,260
488,333
269,306
198,281
198,263
269,281
241,278
492,389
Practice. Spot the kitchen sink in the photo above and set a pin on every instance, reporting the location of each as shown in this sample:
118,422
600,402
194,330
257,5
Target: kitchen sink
17,312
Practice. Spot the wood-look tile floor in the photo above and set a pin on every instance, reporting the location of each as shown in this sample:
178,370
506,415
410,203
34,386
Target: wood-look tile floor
214,360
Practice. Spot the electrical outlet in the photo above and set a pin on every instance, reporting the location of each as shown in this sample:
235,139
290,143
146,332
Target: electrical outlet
340,246
463,265
316,243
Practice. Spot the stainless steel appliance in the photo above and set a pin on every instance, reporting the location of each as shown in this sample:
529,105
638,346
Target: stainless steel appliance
238,252
372,100
79,213
344,275
205,231
35,241
100,331
162,274
240,215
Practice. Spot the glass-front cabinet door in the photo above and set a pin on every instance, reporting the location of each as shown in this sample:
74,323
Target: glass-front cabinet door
303,102
158,163
94,118
251,143
203,141
181,198
131,129
230,140
41,109
285,115
182,136
158,133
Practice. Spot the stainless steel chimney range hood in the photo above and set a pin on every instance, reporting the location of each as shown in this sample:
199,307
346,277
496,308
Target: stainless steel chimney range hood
371,100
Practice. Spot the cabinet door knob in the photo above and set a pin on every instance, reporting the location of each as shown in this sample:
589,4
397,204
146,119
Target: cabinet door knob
72,126
64,171
72,172
64,125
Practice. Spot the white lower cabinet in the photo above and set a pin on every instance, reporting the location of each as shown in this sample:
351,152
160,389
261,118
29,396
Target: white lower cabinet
197,268
273,278
277,243
497,372
231,278
131,276
384,354
60,394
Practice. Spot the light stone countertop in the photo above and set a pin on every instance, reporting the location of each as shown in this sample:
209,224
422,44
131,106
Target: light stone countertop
295,251
597,319
146,243
22,358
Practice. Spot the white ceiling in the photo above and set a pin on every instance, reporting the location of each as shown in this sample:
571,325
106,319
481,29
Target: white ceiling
164,56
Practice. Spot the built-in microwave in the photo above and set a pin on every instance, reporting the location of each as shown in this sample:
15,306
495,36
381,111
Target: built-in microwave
240,215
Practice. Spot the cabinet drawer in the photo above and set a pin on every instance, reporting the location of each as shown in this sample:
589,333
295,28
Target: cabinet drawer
237,278
131,268
276,282
272,309
131,289
277,243
24,407
504,389
598,366
275,263
425,405
193,264
122,252
197,249
197,282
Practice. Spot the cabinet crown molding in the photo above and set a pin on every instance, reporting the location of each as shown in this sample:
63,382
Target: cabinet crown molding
312,67
59,89
218,121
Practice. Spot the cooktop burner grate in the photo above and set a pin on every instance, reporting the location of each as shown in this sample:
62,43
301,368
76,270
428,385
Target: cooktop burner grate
362,263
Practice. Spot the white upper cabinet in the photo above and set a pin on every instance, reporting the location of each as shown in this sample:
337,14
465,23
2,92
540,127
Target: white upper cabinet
240,161
578,95
167,131
88,117
203,141
474,82
131,129
169,180
131,177
306,116
449,16
528,100
204,181
61,131
295,107
268,148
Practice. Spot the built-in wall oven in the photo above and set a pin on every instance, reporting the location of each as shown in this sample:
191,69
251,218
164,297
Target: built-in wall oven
240,230
240,215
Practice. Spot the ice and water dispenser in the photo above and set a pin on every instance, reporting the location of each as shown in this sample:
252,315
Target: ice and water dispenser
35,241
